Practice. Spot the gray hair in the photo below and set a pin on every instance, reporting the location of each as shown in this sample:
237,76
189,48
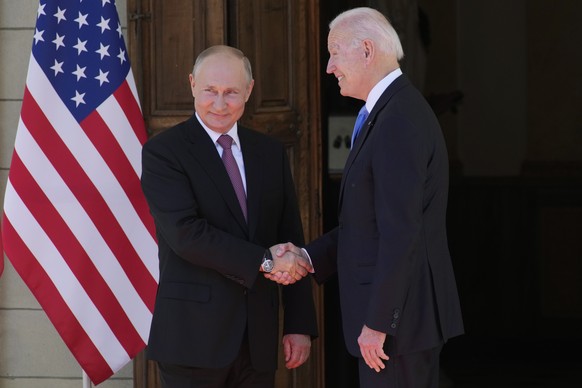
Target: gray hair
368,23
221,49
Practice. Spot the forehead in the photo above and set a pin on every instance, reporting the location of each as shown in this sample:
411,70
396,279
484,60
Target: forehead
338,39
221,69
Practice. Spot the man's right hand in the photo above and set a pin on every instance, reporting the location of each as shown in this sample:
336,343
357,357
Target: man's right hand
290,265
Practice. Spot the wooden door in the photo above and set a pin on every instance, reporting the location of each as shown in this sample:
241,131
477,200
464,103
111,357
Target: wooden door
281,39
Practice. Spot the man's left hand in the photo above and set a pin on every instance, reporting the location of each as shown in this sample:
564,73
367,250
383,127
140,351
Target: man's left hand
372,347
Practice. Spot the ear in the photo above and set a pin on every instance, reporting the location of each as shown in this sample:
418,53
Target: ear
369,50
249,90
192,83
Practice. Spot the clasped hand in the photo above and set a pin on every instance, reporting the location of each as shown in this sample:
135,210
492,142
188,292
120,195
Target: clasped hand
290,264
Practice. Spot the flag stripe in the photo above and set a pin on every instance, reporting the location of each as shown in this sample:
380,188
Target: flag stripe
109,149
128,102
84,269
40,283
84,190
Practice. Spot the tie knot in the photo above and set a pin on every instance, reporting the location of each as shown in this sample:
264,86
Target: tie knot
225,141
362,115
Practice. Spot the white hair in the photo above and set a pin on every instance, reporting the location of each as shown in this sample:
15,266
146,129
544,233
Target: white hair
368,23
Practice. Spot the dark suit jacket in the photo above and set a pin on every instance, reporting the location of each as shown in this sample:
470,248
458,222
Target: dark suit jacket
390,247
210,289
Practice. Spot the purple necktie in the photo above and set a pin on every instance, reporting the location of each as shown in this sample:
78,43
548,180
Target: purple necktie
362,116
225,142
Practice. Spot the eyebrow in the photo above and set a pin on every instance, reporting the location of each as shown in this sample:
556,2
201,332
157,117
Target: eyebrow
227,89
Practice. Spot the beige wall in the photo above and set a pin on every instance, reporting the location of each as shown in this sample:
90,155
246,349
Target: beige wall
32,355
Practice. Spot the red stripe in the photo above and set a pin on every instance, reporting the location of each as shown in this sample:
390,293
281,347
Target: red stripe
55,307
89,198
102,138
128,103
79,262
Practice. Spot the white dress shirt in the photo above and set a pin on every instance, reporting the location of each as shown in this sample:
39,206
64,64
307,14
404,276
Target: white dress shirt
236,148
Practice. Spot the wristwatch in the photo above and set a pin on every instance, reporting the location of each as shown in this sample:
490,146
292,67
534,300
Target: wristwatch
267,265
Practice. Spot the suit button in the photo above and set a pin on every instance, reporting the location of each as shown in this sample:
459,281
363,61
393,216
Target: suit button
393,325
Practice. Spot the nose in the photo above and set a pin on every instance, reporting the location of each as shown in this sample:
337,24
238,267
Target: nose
330,67
219,101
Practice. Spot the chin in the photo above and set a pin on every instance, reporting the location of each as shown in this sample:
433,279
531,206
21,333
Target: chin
219,127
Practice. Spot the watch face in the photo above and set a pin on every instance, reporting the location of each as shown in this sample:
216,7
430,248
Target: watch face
268,265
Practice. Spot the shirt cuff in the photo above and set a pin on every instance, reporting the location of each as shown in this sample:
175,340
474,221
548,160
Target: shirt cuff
308,258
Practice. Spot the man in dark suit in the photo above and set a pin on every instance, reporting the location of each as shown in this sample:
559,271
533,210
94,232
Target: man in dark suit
215,322
397,289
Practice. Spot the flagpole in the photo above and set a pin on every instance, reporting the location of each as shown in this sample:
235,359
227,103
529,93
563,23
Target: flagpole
86,381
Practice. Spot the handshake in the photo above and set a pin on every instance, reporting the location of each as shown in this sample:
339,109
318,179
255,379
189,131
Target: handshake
290,264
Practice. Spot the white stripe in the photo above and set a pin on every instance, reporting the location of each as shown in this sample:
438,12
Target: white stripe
83,228
131,81
94,166
68,286
120,127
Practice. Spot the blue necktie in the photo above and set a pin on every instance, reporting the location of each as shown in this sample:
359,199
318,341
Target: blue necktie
362,116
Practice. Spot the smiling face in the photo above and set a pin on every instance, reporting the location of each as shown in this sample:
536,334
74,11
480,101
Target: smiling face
220,88
347,62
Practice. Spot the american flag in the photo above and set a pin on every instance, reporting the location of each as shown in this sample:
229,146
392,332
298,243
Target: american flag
76,225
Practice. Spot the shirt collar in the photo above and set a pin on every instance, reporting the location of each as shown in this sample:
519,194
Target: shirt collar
377,90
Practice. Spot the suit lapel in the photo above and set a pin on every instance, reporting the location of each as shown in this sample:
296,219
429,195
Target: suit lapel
367,127
204,150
